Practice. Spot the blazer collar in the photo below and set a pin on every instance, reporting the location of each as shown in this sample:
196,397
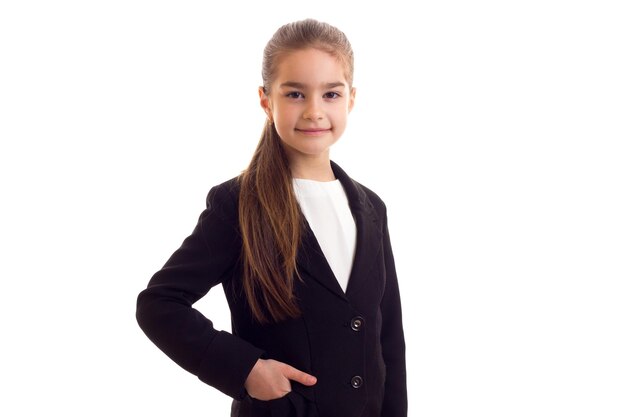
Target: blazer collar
311,259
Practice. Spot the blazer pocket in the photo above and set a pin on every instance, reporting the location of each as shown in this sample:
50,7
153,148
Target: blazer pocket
290,405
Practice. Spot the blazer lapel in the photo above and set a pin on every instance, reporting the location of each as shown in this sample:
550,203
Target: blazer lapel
368,241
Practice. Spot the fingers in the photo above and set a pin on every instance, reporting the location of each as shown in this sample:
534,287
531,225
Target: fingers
270,379
296,375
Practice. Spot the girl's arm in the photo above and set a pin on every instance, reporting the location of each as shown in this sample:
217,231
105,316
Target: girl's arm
164,308
392,338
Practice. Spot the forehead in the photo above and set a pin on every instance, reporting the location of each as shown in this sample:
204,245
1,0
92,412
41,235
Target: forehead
311,67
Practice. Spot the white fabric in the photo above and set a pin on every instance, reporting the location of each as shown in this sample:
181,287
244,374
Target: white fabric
325,207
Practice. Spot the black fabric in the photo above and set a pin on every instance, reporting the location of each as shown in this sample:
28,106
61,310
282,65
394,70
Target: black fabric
361,372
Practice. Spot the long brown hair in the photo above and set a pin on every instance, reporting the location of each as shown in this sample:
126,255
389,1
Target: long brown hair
269,216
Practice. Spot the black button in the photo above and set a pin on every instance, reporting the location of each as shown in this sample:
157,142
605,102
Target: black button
356,381
356,323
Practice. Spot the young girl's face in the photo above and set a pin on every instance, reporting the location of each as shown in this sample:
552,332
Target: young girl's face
309,102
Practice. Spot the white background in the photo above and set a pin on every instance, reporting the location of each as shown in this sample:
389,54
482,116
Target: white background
493,130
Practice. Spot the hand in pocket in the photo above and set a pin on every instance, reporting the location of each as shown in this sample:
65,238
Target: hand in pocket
270,379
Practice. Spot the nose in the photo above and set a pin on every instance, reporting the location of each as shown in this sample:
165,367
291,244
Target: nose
313,110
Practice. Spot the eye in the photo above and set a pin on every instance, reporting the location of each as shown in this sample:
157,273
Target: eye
294,94
332,94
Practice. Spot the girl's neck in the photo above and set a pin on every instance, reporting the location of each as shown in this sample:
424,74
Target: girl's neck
317,169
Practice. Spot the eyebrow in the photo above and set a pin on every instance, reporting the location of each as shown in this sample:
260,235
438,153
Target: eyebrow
295,84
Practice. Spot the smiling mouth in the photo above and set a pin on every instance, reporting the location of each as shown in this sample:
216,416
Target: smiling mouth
312,131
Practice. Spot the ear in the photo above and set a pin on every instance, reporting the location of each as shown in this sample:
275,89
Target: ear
351,99
265,101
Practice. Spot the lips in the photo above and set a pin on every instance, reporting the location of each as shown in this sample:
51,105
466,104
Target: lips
316,130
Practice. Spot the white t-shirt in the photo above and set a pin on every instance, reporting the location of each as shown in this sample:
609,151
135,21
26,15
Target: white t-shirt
325,207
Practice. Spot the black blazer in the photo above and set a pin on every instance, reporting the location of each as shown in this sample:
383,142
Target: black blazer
353,342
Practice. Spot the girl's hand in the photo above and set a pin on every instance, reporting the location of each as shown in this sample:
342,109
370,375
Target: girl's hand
270,379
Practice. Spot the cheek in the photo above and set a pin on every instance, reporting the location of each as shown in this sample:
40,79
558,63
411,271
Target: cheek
341,115
285,113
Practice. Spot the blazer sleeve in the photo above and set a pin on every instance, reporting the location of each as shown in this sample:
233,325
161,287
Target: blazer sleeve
392,338
164,308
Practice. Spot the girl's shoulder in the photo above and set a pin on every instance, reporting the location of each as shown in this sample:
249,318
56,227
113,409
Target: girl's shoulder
370,195
223,198
373,201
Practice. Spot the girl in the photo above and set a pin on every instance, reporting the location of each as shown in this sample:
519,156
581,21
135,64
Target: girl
302,252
